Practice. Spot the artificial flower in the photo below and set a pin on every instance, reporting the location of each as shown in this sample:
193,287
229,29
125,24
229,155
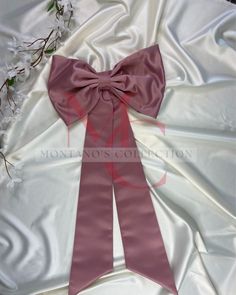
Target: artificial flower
14,45
13,182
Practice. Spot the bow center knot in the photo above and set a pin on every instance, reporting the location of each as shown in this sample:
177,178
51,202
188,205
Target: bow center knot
104,81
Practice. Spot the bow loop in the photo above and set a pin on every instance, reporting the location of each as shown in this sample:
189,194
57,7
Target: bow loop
143,80
72,88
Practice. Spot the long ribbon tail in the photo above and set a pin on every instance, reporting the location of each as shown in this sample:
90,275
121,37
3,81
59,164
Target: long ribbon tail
143,245
93,241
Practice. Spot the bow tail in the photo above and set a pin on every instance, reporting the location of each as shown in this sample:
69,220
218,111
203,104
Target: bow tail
142,240
93,242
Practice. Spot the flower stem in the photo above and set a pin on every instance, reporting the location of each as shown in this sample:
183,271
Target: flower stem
5,163
49,43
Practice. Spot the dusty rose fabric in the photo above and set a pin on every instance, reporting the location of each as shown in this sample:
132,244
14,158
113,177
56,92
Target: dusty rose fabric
76,90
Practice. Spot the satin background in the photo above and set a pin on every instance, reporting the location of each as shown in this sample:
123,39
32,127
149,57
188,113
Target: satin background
196,204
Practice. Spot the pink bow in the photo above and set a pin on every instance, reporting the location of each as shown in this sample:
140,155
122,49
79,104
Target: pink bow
76,90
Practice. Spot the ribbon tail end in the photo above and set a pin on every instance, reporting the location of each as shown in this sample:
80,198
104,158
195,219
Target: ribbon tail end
78,285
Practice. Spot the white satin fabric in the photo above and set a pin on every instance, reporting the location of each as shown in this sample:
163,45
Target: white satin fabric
196,204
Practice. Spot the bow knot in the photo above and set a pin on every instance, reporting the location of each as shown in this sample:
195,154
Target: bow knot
104,81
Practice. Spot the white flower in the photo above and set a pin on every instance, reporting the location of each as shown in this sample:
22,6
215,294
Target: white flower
25,74
7,110
18,114
66,5
14,46
19,97
13,182
11,73
26,58
13,116
60,26
7,119
15,172
14,42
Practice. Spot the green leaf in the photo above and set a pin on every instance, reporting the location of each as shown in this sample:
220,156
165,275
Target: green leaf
10,82
51,5
49,51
